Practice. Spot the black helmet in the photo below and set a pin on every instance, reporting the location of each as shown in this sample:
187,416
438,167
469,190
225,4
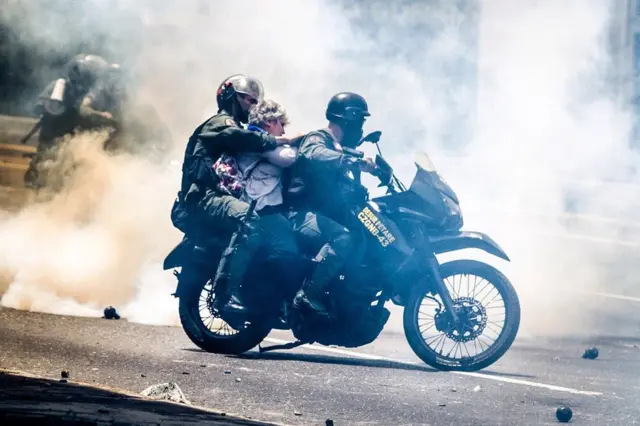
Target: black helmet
238,83
349,111
347,106
84,70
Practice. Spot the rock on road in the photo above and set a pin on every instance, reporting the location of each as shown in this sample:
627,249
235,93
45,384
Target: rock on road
382,384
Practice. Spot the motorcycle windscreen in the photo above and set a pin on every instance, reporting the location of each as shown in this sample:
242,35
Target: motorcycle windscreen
430,186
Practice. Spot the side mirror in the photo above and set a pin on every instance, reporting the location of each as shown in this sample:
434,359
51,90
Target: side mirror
373,137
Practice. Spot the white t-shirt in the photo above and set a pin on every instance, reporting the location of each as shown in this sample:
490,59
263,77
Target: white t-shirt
264,183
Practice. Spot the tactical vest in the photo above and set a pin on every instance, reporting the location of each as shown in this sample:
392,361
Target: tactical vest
190,174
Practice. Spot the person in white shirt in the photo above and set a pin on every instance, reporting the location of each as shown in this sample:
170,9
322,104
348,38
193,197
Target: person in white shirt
263,171
261,175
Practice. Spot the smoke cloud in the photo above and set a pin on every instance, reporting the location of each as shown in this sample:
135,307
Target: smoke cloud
512,102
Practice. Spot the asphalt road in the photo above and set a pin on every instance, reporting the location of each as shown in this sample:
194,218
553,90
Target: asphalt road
381,384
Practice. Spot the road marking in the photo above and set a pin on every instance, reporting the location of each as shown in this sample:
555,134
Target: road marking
608,295
462,373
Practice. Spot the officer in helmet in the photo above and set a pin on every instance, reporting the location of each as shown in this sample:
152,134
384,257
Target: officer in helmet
208,199
320,193
109,94
64,110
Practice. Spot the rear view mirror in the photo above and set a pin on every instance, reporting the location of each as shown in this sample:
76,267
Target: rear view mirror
373,137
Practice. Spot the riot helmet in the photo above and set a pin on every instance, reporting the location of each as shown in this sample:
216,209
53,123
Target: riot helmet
249,89
85,70
349,111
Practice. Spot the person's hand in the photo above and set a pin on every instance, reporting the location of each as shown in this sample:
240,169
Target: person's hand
106,115
367,165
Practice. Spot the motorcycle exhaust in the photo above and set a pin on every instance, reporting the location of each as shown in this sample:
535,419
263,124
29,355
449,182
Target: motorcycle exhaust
55,105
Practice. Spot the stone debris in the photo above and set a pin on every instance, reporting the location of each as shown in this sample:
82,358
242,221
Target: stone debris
564,414
111,313
591,353
166,391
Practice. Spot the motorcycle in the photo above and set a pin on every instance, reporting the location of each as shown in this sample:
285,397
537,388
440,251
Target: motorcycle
449,324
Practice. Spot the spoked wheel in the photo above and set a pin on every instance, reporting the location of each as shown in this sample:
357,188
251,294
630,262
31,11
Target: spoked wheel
204,326
488,312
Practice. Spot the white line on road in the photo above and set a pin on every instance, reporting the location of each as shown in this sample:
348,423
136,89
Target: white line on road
609,295
478,375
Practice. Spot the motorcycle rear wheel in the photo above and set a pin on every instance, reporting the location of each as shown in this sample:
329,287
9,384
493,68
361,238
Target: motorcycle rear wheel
483,359
193,325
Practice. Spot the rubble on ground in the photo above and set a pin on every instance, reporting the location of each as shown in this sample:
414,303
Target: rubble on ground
590,353
166,391
111,313
564,414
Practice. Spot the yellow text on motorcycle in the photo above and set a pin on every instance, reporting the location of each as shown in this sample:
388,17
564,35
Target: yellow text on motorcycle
377,229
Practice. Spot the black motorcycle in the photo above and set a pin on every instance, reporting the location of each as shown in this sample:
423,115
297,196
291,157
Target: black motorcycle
461,315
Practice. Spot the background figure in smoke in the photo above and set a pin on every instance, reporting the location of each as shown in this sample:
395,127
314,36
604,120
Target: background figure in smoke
109,94
140,129
320,192
65,109
208,200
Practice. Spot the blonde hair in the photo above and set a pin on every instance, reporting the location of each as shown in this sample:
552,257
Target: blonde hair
267,110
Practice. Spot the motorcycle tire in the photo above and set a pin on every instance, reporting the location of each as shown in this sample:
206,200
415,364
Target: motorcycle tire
246,338
485,358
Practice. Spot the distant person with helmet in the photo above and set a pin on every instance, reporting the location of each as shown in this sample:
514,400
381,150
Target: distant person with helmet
64,110
109,94
209,196
139,129
319,194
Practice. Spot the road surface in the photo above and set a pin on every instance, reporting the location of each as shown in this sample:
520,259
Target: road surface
381,384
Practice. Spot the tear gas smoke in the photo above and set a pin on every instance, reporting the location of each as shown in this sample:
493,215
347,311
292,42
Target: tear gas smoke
545,124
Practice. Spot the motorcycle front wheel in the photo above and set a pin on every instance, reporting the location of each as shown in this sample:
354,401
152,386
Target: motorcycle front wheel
489,318
204,327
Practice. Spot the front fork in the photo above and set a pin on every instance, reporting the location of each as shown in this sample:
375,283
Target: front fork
441,289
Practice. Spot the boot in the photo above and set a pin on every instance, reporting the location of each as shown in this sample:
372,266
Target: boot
229,278
310,298
234,303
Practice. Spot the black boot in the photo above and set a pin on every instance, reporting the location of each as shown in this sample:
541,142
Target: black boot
310,298
228,279
234,304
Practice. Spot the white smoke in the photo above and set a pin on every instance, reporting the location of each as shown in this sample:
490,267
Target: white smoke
541,123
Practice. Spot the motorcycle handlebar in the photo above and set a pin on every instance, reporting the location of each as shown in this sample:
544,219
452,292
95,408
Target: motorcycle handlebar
383,171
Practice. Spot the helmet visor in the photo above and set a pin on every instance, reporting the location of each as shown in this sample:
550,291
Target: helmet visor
355,114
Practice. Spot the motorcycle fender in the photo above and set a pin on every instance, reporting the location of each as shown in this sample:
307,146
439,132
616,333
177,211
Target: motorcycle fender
198,258
174,258
463,240
187,251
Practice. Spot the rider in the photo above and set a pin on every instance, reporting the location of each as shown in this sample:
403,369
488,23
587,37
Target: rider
208,197
264,171
320,190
